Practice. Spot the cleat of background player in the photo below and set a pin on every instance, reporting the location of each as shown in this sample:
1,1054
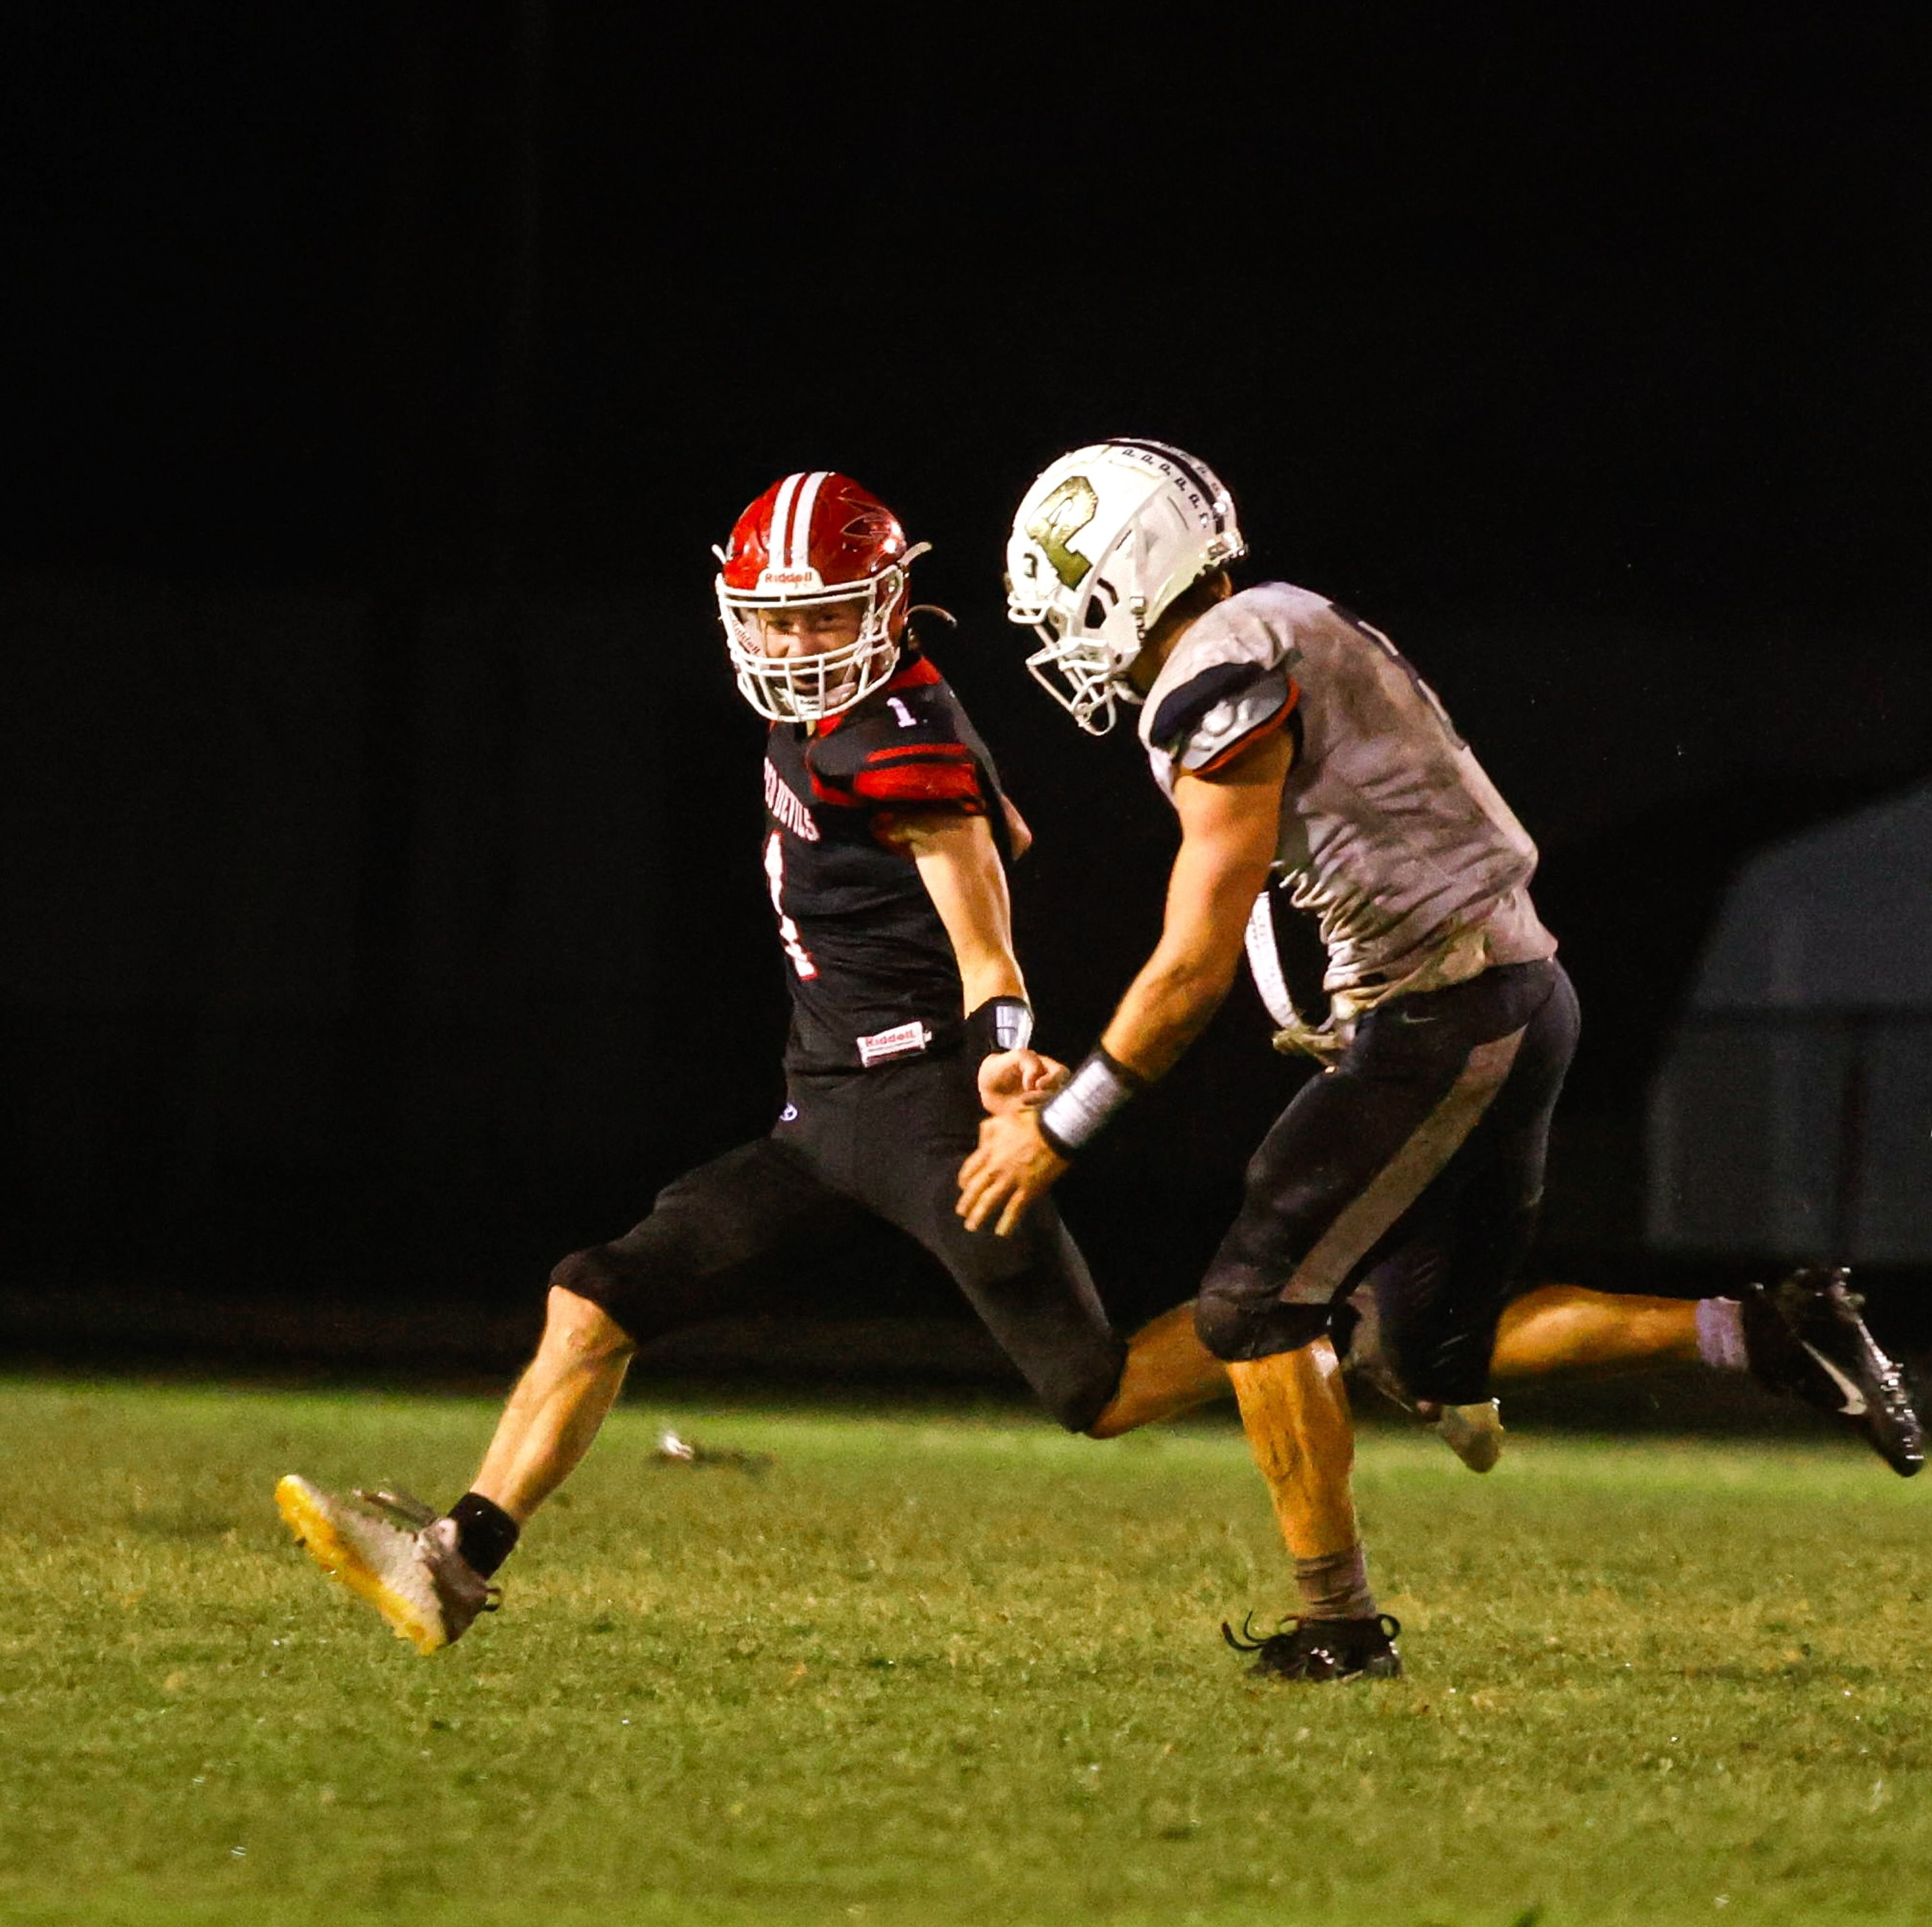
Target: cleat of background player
1323,1650
1804,1335
1474,1432
426,1592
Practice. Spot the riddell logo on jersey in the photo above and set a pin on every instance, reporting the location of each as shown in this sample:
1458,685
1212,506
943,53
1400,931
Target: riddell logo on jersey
902,1040
783,802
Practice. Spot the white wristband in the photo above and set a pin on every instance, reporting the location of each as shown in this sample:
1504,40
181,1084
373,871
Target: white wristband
1077,1111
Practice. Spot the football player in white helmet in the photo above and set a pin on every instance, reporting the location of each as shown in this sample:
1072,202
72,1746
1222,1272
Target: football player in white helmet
1104,543
1388,1207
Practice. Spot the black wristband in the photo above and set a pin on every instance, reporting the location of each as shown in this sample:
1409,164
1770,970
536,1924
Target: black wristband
1000,1023
1075,1114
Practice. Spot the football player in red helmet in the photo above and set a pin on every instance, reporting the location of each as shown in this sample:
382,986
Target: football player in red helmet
886,838
812,592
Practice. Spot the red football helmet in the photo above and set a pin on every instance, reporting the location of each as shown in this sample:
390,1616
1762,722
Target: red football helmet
810,542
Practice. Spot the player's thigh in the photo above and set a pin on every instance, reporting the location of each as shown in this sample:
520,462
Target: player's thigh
1033,1293
1432,1300
1355,1152
722,1239
1322,1156
1525,1107
1436,1286
1032,1290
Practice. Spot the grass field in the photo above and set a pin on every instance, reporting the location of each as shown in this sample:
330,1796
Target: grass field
944,1668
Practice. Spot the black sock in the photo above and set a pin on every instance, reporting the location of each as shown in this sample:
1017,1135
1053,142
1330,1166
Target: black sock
486,1534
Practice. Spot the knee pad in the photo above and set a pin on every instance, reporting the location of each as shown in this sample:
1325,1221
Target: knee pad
1238,1321
598,1277
587,1274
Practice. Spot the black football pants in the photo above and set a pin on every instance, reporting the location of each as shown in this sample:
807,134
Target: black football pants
856,1152
1408,1176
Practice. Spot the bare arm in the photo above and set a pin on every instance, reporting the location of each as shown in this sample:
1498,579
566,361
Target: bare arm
1230,823
1229,827
960,866
1018,835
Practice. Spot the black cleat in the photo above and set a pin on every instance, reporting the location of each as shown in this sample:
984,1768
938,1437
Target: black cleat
1804,1335
1318,1649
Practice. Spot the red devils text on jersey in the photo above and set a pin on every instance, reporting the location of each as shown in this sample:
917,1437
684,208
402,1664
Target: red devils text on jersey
872,971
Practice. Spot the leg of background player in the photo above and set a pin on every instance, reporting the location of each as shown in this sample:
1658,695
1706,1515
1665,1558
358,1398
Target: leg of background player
1559,1331
1803,1338
1565,1330
714,1239
1295,1412
1167,1371
553,1415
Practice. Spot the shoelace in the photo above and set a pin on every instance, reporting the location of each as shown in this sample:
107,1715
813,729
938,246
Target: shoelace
404,1507
1890,1378
417,1514
1249,1641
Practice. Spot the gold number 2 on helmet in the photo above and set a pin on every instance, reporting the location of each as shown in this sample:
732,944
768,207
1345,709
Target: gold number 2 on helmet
1061,517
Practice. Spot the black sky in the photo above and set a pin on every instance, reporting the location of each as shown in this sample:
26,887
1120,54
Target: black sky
1474,314
1587,356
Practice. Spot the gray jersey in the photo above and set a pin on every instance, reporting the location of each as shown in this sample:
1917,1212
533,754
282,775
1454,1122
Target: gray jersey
1391,834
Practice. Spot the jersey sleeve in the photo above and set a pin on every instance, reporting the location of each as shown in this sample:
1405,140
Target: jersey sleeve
1207,721
910,755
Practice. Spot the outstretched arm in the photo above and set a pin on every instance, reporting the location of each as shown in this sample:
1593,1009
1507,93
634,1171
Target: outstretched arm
1229,829
960,866
1230,825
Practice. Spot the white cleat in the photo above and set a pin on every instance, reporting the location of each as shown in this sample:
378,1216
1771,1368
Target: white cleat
426,1591
1474,1432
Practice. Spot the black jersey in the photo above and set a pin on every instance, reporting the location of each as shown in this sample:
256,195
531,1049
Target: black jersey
872,971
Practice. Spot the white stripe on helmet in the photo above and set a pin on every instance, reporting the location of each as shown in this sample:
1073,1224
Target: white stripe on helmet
776,547
799,556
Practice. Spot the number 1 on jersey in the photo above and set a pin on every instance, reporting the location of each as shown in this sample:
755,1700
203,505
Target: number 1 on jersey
907,719
801,958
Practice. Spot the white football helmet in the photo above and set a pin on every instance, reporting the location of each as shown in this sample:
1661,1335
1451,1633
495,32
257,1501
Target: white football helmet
1104,540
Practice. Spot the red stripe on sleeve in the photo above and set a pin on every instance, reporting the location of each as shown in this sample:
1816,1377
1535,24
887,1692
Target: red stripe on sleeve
920,782
954,752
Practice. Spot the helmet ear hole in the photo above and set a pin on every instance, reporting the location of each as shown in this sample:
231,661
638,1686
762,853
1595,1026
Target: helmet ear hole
1100,605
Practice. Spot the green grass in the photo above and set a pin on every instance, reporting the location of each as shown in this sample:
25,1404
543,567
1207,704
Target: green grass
951,1670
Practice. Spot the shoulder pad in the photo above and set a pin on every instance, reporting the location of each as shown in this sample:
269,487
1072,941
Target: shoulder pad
1210,718
908,750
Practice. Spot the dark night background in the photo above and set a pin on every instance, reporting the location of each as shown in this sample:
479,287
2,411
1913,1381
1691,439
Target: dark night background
383,916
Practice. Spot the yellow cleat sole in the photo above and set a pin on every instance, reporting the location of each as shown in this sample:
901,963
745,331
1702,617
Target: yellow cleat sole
301,1506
